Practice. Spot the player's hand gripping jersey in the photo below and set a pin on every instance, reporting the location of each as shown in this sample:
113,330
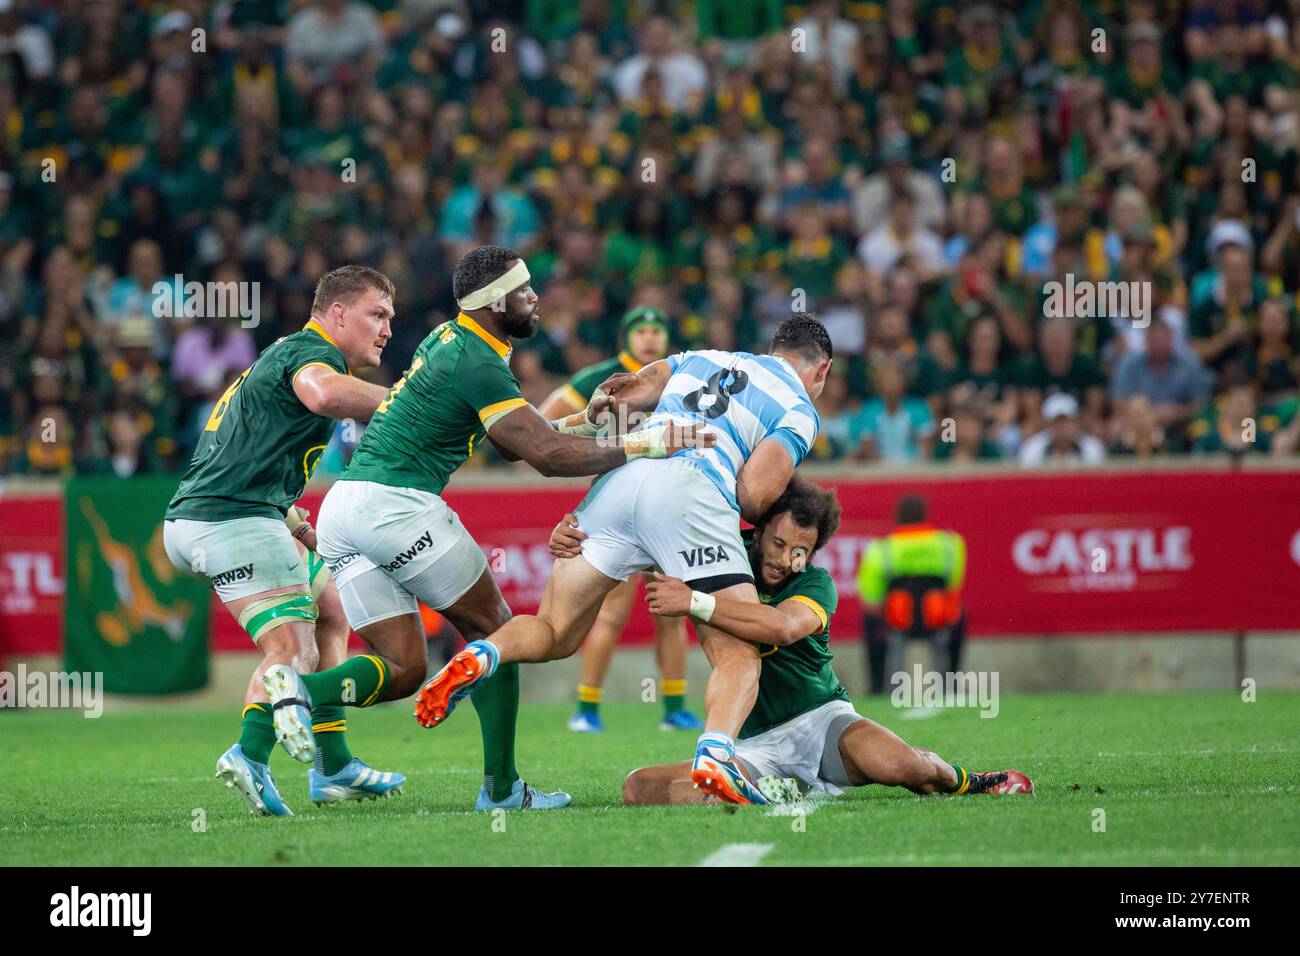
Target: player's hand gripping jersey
682,514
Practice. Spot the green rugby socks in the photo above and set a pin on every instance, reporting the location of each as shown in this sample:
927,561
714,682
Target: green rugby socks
496,701
674,692
257,738
963,781
330,729
356,682
588,699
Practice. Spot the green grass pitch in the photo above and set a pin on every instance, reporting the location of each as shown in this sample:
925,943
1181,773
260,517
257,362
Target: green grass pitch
1182,778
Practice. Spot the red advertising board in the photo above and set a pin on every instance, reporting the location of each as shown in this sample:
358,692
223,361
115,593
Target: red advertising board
1087,552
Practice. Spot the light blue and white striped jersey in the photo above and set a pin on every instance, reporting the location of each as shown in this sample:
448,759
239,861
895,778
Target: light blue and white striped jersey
744,399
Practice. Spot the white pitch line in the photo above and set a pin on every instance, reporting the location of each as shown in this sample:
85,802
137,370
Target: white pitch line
738,854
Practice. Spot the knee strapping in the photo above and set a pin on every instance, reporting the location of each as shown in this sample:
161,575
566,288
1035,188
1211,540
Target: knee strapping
318,573
270,612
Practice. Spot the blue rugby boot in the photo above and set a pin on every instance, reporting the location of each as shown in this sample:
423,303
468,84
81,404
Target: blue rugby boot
586,723
356,781
523,797
681,720
254,783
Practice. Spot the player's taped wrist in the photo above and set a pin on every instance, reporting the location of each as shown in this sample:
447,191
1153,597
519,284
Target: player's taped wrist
294,518
649,442
576,424
702,606
579,423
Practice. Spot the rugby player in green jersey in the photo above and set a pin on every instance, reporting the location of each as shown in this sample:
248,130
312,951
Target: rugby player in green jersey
803,726
233,520
646,340
391,541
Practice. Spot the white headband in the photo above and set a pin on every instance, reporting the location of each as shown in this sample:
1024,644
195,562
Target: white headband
494,290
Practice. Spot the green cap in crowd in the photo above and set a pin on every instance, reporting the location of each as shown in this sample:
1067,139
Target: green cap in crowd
645,315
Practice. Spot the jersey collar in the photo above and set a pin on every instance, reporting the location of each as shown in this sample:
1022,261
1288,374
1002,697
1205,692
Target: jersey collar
314,326
501,348
629,362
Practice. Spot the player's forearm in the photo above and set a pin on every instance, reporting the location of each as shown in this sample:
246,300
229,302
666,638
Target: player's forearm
569,456
757,623
756,495
348,397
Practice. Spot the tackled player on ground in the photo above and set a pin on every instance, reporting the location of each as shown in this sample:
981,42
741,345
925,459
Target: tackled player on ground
803,733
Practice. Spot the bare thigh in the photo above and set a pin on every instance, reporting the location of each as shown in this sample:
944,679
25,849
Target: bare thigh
572,599
479,611
721,648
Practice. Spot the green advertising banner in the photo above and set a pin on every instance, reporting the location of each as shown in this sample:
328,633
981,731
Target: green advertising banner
129,614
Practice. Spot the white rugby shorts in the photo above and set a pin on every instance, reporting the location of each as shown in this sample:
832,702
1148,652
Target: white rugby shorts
798,748
240,557
390,548
663,513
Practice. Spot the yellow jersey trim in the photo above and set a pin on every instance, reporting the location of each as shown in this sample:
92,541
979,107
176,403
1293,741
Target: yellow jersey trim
630,363
501,348
309,365
490,414
574,397
314,326
308,468
814,606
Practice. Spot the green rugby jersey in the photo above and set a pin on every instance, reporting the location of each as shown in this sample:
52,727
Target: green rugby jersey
798,677
458,385
579,388
260,443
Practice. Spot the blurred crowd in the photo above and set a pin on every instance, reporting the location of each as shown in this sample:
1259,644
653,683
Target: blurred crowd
918,173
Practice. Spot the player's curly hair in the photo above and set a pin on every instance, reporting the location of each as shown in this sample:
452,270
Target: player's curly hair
804,335
480,266
809,507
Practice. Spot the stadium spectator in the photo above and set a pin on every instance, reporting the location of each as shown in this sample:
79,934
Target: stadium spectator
1057,367
897,236
1235,423
720,173
1174,383
896,174
1062,438
339,41
892,426
1137,432
684,76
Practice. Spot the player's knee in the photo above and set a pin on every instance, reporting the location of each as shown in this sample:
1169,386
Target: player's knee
289,644
307,660
487,621
406,680
635,788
